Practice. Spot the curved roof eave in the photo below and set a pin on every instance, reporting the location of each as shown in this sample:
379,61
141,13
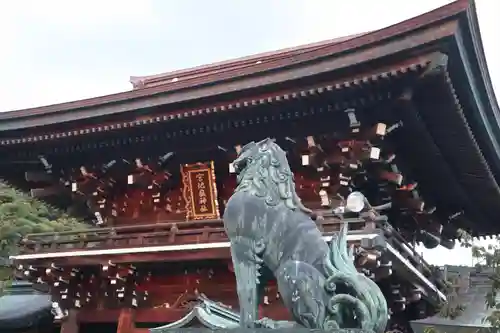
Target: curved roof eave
209,313
232,80
480,88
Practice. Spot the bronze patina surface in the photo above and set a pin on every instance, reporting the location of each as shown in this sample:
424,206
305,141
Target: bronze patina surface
270,228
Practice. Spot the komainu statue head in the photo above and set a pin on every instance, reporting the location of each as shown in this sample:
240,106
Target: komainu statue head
263,170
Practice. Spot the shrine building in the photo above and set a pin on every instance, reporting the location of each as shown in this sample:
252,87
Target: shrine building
406,115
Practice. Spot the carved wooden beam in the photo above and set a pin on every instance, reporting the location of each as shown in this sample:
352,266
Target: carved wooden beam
50,191
38,177
393,177
126,321
377,131
70,324
409,200
359,150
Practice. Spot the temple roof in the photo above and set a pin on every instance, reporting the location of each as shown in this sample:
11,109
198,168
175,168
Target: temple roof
473,286
22,307
458,128
213,69
275,68
208,313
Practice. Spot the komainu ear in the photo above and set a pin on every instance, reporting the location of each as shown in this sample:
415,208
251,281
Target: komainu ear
267,141
247,147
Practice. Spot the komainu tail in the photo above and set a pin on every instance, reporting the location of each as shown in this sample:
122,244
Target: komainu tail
356,301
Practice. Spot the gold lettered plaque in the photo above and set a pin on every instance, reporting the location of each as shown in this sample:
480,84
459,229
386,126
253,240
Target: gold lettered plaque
200,191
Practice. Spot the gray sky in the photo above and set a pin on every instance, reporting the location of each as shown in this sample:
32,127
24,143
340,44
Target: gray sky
58,50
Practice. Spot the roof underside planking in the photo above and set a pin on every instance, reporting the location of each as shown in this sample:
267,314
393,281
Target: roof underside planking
462,135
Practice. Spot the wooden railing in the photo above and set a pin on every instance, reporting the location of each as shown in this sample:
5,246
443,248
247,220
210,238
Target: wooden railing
184,232
415,259
168,233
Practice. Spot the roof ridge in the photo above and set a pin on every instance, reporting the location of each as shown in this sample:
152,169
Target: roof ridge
439,14
212,68
261,56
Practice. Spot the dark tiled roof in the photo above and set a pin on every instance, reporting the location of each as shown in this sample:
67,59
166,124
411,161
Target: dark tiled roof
23,307
208,313
292,58
221,66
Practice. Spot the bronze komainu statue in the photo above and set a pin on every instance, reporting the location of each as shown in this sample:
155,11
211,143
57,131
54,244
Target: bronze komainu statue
268,226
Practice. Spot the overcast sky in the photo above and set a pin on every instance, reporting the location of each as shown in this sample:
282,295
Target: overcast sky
58,50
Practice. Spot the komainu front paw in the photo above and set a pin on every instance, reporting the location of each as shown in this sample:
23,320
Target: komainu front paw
275,324
265,323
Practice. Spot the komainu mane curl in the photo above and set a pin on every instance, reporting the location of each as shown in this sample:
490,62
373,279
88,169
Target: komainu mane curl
264,171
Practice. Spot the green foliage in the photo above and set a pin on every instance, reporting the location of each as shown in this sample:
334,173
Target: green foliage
489,259
21,215
453,308
430,329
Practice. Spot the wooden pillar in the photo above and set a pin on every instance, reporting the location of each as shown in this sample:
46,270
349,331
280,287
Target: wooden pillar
70,323
126,321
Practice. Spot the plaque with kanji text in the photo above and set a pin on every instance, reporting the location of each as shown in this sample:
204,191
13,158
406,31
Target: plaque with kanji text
200,191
